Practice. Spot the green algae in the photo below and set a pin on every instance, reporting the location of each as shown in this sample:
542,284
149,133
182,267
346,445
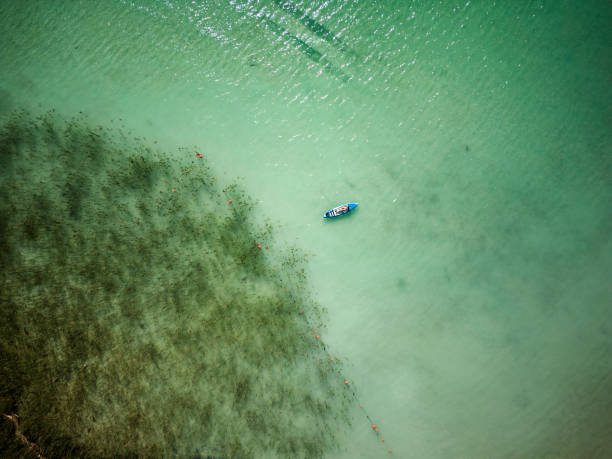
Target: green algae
138,314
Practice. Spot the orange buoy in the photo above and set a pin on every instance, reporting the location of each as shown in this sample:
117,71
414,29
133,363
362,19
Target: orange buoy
259,246
301,312
173,190
317,337
383,440
389,450
360,405
345,382
230,201
331,360
376,430
374,427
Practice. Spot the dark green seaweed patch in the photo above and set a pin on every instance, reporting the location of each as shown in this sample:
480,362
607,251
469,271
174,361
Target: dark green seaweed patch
315,27
313,54
139,317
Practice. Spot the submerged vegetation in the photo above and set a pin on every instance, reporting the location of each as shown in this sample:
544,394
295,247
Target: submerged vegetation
139,311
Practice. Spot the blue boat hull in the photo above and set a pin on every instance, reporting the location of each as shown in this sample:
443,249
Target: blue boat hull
340,210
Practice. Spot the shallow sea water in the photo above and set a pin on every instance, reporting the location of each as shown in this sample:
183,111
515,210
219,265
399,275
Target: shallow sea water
469,294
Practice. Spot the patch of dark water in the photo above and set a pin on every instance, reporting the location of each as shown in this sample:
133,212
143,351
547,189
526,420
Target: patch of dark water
139,315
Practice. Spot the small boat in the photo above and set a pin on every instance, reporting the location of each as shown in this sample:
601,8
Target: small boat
340,210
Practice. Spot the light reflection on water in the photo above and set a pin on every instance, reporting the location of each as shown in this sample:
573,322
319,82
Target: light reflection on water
475,140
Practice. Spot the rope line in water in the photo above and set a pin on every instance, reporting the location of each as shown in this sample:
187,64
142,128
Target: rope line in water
346,381
356,399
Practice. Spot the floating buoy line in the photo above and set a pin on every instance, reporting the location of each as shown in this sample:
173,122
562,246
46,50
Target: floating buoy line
347,384
361,407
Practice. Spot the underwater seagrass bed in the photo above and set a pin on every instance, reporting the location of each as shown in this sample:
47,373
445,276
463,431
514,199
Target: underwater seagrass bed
138,315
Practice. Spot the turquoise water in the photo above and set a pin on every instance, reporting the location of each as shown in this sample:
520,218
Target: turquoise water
469,294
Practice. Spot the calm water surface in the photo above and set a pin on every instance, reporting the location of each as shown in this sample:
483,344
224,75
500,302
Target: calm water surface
470,292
